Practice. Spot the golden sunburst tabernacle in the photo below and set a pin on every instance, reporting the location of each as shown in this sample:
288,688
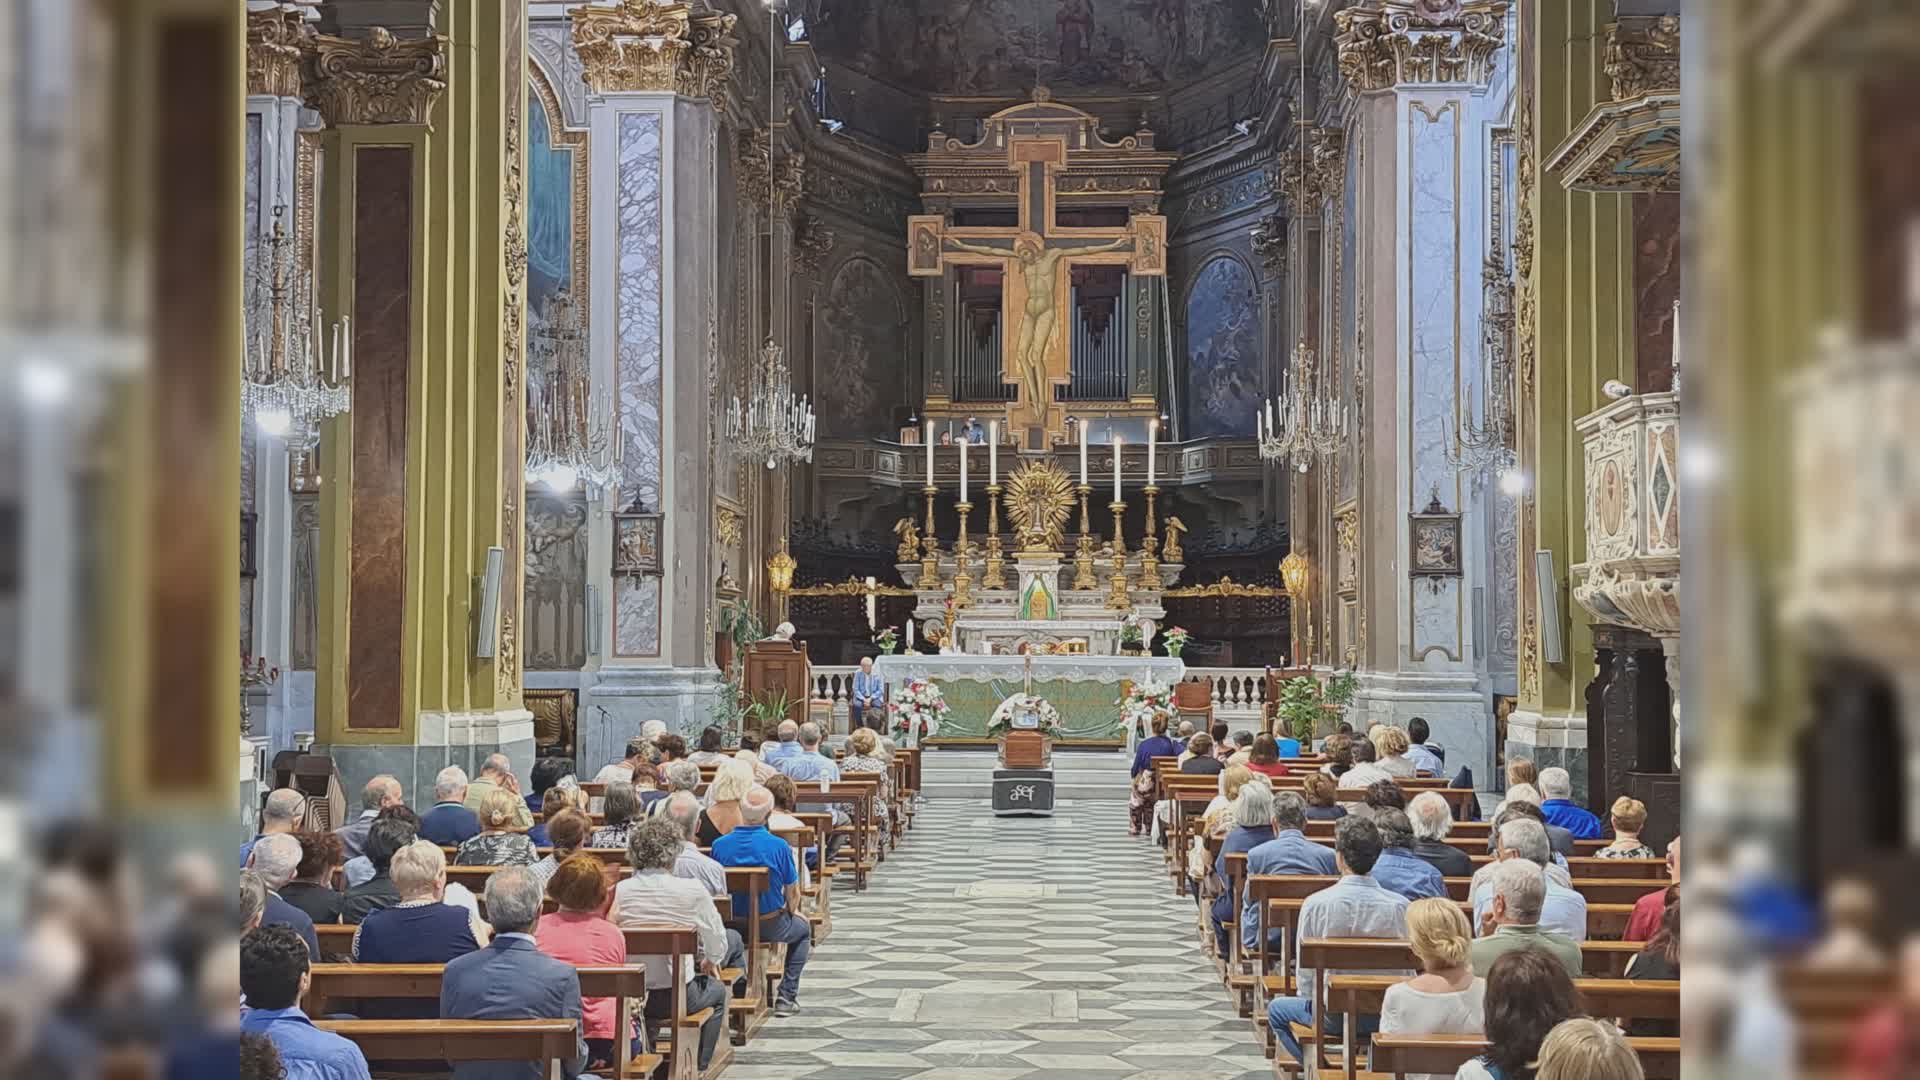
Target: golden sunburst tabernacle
1039,499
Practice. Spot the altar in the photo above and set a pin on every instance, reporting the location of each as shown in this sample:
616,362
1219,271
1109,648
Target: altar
1085,689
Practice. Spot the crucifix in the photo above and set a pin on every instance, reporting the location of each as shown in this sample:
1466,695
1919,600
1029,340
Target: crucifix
1036,298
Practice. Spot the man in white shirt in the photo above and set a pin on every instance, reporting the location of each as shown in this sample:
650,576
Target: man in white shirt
1356,906
656,896
1563,910
622,771
1364,773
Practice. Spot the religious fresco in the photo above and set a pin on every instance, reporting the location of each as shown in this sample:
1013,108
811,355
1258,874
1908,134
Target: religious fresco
862,342
549,211
1002,46
1223,350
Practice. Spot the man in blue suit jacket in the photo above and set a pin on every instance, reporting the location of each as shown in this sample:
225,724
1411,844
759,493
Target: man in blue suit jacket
869,704
512,980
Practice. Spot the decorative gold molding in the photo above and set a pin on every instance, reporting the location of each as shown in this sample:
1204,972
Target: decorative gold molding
1526,349
727,525
278,43
1308,179
850,587
1346,533
648,45
1643,55
378,80
1389,43
760,177
513,349
1226,586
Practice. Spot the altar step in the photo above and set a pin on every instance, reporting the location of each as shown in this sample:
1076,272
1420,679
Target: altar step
1077,774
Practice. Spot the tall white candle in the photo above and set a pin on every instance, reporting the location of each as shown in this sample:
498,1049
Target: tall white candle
993,452
963,470
1116,467
1083,452
909,633
929,453
870,604
1153,429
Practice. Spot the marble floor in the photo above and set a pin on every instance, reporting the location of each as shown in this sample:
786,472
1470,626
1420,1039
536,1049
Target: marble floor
1002,948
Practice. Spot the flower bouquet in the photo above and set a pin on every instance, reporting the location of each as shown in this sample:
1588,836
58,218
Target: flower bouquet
1020,705
1142,702
1175,638
915,710
888,641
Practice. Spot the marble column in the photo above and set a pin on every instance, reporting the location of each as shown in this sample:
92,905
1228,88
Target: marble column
651,75
1429,92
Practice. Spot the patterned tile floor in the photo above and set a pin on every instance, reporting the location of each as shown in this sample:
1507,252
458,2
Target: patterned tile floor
1002,948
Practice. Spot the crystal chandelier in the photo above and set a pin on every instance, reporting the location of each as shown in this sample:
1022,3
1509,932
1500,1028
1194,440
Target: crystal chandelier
571,431
1305,421
773,422
291,382
1484,446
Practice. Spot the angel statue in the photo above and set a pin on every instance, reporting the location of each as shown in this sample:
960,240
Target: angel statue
1171,552
909,539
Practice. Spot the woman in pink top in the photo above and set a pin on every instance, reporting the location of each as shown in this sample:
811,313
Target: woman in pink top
580,934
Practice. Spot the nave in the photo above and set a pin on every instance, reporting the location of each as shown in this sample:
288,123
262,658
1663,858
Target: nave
1002,948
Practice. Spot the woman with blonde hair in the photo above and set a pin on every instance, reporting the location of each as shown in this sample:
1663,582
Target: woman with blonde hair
1323,798
1446,998
1521,771
499,843
723,813
863,756
1390,744
1629,817
1583,1049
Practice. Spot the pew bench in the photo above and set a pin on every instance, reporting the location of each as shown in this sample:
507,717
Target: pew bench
546,1041
1399,1055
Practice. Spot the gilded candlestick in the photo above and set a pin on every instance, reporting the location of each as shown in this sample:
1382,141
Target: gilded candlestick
929,546
995,577
1083,577
962,581
1149,562
1118,597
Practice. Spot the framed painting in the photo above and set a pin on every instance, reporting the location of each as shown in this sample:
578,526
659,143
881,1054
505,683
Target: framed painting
1435,542
636,544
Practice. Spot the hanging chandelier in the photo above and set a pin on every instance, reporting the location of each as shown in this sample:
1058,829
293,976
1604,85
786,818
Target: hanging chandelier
571,430
290,381
1305,422
1484,446
773,422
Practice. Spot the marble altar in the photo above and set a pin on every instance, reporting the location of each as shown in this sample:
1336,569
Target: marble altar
1085,689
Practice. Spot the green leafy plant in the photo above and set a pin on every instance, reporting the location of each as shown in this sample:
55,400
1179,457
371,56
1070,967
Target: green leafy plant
768,710
1340,690
1305,702
742,628
728,710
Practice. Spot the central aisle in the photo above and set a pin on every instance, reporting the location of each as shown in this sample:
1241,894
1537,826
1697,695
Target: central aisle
996,948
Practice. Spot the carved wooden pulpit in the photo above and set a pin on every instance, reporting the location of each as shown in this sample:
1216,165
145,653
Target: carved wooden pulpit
776,667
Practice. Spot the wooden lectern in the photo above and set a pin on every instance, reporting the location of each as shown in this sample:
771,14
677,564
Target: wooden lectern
776,667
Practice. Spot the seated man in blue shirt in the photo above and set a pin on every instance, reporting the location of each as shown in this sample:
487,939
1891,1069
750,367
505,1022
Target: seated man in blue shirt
774,753
1399,869
781,922
1429,758
274,974
1556,793
1289,852
809,766
449,823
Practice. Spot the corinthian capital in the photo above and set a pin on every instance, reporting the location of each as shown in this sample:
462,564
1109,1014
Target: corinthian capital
278,41
1312,170
379,79
1643,55
640,45
1389,43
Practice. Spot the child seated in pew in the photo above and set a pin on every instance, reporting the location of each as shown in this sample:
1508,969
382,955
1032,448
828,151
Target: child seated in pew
1446,998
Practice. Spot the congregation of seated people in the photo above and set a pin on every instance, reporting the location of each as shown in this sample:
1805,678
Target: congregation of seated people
385,872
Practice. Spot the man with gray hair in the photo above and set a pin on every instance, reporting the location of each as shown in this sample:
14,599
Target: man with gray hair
1522,839
810,766
1432,820
781,919
1556,790
510,979
1561,840
1289,852
497,775
449,823
1513,919
253,900
283,811
275,858
381,792
1252,814
787,735
682,808
655,895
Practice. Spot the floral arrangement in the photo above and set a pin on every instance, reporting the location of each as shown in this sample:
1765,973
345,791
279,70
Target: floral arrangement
1130,635
1002,722
1142,702
1175,638
916,709
888,641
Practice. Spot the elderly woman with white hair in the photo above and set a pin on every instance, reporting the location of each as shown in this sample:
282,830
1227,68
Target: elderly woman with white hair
1252,826
722,814
422,928
1432,820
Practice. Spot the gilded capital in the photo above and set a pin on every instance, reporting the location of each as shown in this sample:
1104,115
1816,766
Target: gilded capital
1643,56
650,45
278,41
761,178
1389,43
379,79
1312,170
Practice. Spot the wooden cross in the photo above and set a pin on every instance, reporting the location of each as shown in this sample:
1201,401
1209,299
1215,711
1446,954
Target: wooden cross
1037,256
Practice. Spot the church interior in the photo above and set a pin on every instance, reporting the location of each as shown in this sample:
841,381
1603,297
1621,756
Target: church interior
1123,496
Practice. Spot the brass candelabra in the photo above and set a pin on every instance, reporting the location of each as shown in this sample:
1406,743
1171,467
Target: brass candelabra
1118,597
929,546
996,574
1149,562
962,580
1083,577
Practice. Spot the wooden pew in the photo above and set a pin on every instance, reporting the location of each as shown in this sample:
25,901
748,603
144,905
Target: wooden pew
1399,1055
859,796
545,1041
750,1012
817,893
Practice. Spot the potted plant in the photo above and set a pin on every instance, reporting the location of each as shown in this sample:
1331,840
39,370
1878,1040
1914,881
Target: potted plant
767,712
1175,638
888,640
1307,707
1132,641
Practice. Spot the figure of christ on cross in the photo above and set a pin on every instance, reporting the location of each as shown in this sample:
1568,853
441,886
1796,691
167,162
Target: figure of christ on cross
1039,324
